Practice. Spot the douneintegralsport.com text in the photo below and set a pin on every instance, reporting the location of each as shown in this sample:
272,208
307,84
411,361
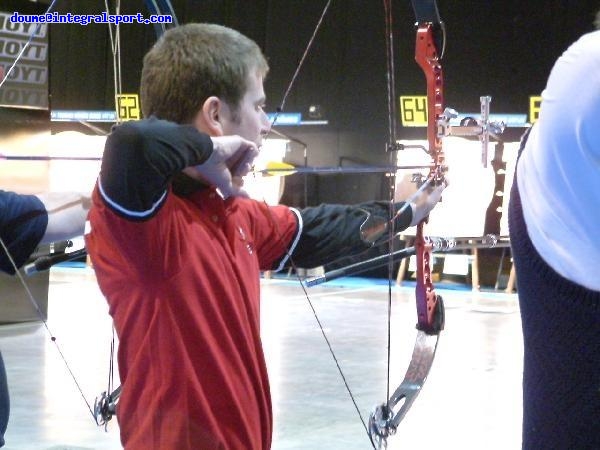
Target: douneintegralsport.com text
85,19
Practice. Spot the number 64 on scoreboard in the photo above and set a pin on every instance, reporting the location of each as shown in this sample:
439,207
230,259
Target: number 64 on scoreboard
413,110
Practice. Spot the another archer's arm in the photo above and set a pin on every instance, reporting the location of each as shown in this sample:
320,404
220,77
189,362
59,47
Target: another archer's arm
23,222
66,212
27,221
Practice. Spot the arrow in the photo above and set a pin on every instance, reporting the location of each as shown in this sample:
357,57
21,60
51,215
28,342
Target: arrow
48,158
273,168
283,169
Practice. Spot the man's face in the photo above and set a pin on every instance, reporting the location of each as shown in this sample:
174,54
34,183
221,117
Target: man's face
252,122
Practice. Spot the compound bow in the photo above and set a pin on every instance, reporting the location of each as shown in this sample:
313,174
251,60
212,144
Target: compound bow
384,420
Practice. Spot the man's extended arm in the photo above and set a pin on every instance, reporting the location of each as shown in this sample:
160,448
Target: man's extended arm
330,231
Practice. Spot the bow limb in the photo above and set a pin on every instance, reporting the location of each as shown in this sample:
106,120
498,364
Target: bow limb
162,7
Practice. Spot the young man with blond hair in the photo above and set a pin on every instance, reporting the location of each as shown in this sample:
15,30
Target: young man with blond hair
178,248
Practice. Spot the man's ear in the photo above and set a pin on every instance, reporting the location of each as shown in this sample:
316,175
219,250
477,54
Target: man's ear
209,118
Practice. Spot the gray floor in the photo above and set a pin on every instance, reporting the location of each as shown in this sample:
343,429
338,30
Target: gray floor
472,399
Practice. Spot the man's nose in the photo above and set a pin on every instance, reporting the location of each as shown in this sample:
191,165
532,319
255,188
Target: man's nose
265,124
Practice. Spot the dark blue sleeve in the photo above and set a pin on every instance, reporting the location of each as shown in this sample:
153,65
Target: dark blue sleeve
23,222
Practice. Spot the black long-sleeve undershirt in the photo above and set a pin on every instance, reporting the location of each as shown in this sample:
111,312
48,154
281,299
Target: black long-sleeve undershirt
140,158
334,230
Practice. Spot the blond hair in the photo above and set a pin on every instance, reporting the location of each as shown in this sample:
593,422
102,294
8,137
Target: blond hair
192,62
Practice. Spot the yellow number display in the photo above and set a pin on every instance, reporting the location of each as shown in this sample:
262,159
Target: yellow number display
128,107
413,110
534,108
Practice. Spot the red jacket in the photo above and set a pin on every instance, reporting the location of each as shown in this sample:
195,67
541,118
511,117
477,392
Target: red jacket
187,316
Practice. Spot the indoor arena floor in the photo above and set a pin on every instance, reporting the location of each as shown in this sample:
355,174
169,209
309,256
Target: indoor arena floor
472,398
